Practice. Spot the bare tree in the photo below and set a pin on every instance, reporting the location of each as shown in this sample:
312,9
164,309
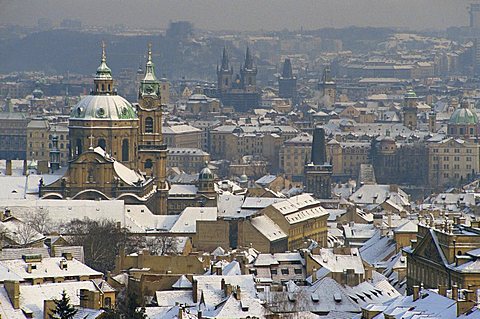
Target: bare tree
162,245
41,222
24,234
101,241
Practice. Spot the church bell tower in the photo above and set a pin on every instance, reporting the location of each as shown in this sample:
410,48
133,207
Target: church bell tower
152,152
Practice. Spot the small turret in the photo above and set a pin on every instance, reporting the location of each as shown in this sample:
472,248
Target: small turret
103,78
54,154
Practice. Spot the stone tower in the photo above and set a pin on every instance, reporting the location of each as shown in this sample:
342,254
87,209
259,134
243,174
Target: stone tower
318,173
287,83
152,151
224,73
410,110
328,88
248,73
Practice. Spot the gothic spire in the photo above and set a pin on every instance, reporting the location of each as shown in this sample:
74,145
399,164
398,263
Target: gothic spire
248,60
287,69
225,61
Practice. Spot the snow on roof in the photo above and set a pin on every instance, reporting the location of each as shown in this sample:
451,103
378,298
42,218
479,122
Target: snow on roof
33,296
170,298
61,211
377,249
182,189
268,228
408,227
231,307
213,293
339,262
429,304
49,267
229,205
182,283
266,179
140,218
127,175
187,220
300,208
370,194
179,129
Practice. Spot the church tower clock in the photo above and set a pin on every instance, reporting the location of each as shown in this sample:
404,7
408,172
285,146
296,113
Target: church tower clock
152,152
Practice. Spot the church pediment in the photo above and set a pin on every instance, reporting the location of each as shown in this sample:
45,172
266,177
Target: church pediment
428,248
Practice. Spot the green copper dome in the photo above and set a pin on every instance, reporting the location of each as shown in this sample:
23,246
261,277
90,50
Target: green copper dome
410,95
463,116
103,107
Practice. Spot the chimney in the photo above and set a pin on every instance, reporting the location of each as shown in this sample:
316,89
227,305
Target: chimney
416,292
442,290
195,290
25,165
180,312
48,306
8,167
199,314
13,292
228,290
238,293
222,284
29,268
455,292
314,275
319,154
67,255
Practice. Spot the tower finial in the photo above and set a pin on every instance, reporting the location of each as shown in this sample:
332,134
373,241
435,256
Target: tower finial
149,52
104,55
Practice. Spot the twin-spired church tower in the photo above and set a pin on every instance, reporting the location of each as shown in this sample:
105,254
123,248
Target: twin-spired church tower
116,148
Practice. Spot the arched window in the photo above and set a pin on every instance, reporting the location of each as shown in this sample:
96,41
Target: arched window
108,302
226,81
102,144
125,150
249,81
148,125
148,163
78,148
103,87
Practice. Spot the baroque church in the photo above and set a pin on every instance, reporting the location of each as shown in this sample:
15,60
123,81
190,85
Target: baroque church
116,148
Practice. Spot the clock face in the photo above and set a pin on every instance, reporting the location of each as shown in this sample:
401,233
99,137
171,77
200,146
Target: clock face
148,102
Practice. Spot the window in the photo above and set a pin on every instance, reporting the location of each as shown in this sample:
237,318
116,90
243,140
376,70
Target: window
148,163
148,125
285,271
78,148
298,271
273,271
102,144
125,150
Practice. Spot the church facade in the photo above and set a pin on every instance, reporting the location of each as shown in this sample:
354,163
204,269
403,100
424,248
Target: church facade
116,148
240,92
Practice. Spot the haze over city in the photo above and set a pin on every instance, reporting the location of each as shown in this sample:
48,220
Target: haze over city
243,14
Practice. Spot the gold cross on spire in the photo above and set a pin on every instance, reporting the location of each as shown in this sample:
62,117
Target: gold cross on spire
104,56
149,51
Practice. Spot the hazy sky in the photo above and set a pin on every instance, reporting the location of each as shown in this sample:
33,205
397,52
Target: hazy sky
243,14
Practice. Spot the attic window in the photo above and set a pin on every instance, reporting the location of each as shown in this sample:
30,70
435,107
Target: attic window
291,297
337,297
315,298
